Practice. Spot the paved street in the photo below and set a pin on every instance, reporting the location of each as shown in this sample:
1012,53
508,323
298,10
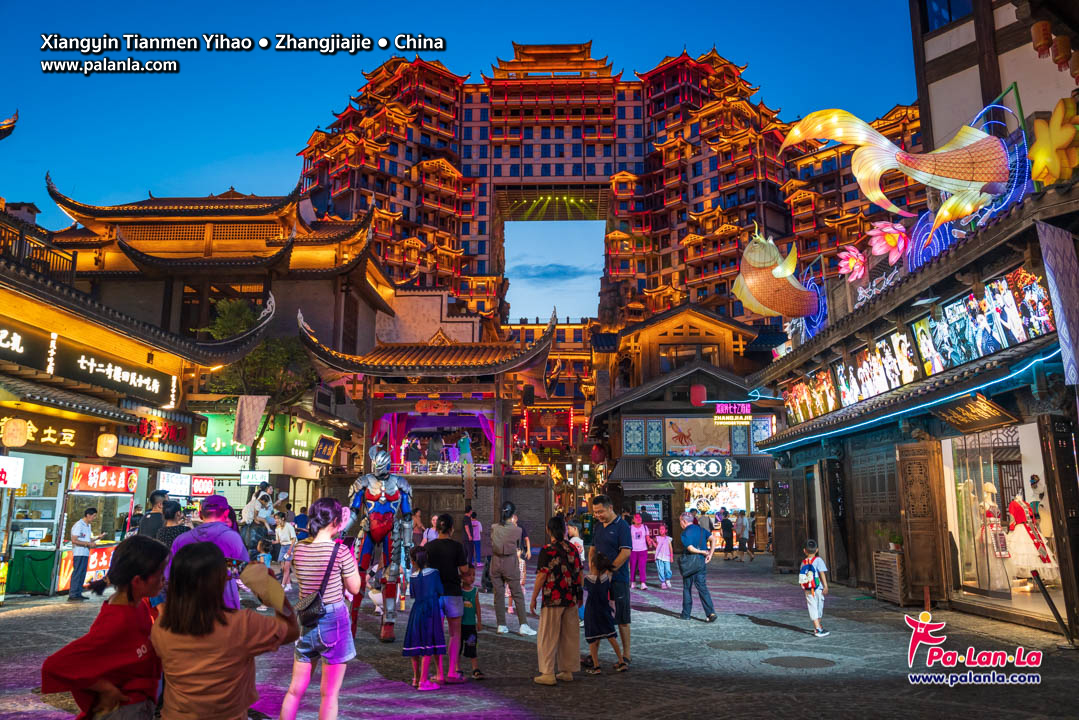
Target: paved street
757,660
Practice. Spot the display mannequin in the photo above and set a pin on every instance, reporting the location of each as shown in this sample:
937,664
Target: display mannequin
993,539
1028,548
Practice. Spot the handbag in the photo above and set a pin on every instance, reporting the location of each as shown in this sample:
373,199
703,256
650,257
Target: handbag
690,564
310,609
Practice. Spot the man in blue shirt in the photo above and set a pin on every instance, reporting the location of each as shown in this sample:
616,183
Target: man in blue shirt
695,543
611,537
300,521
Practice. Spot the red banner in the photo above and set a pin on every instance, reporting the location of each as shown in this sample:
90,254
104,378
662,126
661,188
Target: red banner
201,486
96,569
103,479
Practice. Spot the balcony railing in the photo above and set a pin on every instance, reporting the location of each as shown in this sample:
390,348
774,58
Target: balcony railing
38,256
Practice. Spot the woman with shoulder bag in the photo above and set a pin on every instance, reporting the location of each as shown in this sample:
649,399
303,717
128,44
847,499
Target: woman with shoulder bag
324,570
693,565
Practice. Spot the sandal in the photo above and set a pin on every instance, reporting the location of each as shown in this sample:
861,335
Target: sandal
593,670
477,674
621,667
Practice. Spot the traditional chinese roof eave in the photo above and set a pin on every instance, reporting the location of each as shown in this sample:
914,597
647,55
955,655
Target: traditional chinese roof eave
8,126
741,328
642,391
154,265
66,298
1054,201
246,207
26,392
346,363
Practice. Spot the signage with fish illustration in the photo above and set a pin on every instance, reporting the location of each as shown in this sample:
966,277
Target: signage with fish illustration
766,283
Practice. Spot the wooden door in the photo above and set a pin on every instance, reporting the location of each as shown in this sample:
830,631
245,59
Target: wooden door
788,518
921,506
835,543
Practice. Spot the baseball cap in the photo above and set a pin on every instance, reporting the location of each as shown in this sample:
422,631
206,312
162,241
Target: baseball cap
215,505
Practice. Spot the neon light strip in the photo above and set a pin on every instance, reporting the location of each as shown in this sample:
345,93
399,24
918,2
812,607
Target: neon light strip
916,408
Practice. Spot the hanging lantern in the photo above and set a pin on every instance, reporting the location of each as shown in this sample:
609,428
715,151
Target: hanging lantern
106,445
16,432
1073,64
1042,34
1062,51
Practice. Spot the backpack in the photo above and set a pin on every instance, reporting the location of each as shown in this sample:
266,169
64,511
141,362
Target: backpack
808,575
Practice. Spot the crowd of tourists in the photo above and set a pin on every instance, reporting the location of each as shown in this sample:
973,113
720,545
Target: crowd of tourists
174,639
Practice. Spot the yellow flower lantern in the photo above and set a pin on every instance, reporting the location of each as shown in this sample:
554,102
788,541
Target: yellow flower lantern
1062,51
16,432
1042,34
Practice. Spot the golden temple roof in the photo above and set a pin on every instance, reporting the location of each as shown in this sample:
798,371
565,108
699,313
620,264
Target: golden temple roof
438,357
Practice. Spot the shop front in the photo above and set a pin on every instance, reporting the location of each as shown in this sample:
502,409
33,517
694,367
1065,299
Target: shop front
291,453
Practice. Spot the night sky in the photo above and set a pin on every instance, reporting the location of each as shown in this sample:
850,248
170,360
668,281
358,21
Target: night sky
239,118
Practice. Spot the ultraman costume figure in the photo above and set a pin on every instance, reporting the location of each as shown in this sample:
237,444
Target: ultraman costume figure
383,504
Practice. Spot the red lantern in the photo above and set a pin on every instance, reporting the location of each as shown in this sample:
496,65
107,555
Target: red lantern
1042,34
1062,51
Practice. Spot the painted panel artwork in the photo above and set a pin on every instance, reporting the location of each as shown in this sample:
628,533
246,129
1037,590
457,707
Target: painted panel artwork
633,436
762,428
655,436
810,398
696,436
1013,309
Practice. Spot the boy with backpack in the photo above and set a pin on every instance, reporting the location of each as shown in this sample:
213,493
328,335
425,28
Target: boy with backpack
811,576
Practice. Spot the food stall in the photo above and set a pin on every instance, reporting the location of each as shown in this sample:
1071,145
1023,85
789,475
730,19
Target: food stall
112,491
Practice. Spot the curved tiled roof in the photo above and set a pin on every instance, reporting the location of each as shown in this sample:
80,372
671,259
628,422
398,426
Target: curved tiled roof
424,359
227,204
219,352
33,393
154,264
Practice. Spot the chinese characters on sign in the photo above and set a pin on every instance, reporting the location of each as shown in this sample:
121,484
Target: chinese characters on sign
103,479
733,414
325,449
10,471
58,435
158,430
96,568
681,468
174,483
974,414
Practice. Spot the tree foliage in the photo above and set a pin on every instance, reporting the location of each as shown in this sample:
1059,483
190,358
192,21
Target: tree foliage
277,367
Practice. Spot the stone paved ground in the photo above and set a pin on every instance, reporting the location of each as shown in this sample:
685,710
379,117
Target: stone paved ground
737,666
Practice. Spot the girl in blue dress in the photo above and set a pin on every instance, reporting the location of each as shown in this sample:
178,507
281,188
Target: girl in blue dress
599,613
424,637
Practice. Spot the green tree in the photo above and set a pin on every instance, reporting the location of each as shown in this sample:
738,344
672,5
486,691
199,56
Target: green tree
277,367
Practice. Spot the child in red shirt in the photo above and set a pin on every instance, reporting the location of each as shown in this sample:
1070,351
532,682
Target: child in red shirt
114,664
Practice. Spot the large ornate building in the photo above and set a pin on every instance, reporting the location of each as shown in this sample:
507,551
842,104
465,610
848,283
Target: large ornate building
680,162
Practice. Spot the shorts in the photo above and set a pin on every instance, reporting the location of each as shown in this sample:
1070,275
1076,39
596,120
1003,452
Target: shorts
815,604
620,595
742,544
453,606
331,639
469,640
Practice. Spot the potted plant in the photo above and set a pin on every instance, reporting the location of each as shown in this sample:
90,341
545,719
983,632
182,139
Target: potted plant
893,537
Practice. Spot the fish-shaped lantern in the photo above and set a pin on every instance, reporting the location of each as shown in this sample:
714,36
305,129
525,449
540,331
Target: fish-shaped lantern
974,167
766,283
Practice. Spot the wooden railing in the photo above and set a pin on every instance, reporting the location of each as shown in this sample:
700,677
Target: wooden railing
38,256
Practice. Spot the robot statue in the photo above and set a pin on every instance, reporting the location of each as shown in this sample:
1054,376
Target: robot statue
383,504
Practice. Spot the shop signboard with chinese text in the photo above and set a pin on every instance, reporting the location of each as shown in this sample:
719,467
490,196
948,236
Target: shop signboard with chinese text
676,468
46,433
51,353
10,472
254,477
174,483
103,479
96,568
733,414
974,413
288,437
163,435
325,449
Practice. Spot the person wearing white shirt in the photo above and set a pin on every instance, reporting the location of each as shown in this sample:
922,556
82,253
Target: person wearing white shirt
82,539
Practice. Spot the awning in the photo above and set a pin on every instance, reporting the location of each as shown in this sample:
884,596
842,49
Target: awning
654,486
33,397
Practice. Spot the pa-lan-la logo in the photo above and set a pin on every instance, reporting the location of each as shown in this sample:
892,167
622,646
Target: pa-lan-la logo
922,631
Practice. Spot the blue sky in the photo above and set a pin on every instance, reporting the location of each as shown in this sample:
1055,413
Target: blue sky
239,118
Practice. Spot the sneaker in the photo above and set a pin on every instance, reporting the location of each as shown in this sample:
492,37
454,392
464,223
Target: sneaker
545,680
565,676
582,623
262,608
526,630
821,632
287,587
502,630
643,586
76,598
